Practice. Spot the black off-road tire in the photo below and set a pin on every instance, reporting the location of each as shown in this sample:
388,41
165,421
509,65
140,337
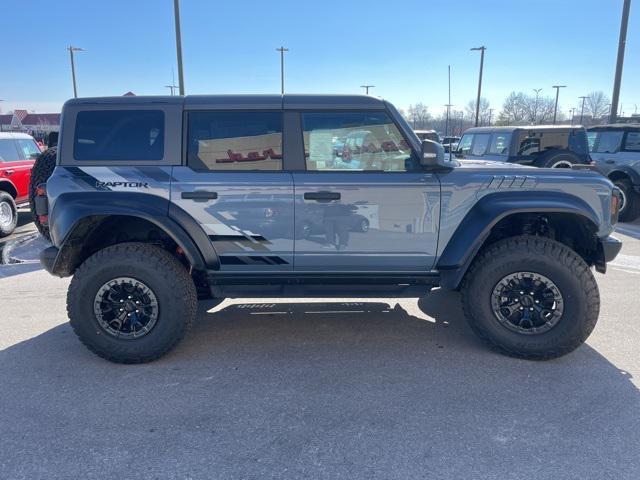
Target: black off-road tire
6,201
557,160
157,269
545,257
631,206
42,170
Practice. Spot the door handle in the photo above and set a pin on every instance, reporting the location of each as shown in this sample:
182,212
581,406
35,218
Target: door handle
199,195
9,172
609,161
322,196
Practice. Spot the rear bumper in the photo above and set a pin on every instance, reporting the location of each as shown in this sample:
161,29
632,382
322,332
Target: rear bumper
608,249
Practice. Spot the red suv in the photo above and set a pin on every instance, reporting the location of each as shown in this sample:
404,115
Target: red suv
17,154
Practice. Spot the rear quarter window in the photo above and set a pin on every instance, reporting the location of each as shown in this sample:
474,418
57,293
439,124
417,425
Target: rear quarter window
632,143
113,135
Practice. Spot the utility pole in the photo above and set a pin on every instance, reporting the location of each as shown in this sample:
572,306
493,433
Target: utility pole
176,17
366,88
535,108
282,50
482,49
615,98
173,85
490,112
609,116
73,68
582,109
572,112
555,108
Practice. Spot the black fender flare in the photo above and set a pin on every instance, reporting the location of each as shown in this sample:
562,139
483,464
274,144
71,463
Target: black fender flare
72,208
476,226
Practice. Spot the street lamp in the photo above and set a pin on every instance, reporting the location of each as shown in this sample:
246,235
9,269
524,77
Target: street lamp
176,18
535,108
282,50
555,108
73,68
582,109
482,49
366,88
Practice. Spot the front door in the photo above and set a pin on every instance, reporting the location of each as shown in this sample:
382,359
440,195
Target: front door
234,186
363,203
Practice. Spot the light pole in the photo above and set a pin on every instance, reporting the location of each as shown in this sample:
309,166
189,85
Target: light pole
490,112
366,88
535,107
615,97
176,17
73,68
572,112
582,109
482,49
282,50
446,124
555,108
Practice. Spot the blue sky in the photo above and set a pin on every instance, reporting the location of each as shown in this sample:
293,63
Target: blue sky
403,47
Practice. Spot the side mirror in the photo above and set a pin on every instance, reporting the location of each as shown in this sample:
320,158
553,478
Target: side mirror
432,154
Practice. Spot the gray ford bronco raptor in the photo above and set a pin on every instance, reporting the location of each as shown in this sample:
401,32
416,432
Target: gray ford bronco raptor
156,202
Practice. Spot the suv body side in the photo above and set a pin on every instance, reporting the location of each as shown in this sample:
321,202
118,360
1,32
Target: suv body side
616,150
250,222
522,145
17,155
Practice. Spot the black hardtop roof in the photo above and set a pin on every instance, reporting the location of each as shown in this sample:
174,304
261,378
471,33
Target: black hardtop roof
616,126
287,101
515,128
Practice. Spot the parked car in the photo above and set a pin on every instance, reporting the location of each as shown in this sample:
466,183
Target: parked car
428,135
158,201
17,154
615,149
450,143
541,146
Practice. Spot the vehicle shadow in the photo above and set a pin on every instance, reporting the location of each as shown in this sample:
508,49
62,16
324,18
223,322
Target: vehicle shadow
320,390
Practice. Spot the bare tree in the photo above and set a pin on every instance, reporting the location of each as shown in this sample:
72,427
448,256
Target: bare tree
597,105
537,110
484,109
419,115
513,109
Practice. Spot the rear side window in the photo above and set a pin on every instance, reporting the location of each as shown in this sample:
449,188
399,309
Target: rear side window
500,144
112,135
608,142
632,144
528,145
235,141
8,150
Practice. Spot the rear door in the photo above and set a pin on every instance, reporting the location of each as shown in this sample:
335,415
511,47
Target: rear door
234,185
363,203
605,150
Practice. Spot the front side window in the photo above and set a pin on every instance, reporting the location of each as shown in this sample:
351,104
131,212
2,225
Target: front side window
608,142
632,143
480,144
360,141
500,144
234,140
113,135
8,150
28,148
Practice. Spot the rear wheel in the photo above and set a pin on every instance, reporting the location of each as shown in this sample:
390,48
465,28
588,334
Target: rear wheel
131,302
8,214
557,160
42,170
531,297
630,204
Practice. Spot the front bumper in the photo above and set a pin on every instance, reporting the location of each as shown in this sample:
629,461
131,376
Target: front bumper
608,249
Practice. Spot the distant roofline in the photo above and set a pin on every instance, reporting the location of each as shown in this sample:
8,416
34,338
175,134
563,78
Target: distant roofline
513,128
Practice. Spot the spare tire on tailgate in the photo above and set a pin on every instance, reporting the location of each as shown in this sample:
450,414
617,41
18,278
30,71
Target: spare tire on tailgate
42,170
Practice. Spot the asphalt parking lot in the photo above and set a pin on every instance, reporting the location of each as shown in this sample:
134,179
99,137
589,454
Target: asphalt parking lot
319,389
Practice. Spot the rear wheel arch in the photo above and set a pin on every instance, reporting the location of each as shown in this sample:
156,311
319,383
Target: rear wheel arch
93,233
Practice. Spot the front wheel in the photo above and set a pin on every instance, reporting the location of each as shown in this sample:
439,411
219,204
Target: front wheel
531,297
630,204
8,214
131,302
